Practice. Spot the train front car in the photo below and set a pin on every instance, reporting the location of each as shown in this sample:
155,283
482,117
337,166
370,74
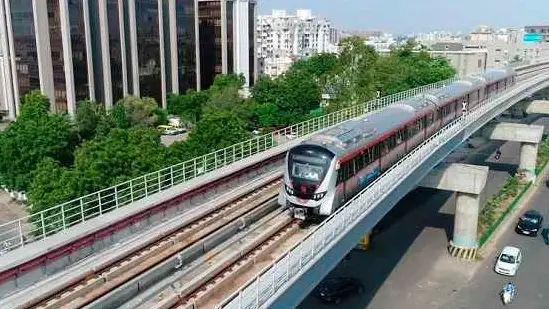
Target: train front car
309,173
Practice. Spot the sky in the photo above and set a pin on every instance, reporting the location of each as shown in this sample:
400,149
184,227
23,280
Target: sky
408,16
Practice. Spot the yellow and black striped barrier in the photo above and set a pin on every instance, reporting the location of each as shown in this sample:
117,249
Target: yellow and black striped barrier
462,252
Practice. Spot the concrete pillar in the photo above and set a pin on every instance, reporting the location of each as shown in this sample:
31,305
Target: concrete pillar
174,59
197,47
469,182
536,107
8,92
163,102
123,44
67,57
105,53
466,220
528,158
43,50
89,57
241,40
133,48
224,66
528,135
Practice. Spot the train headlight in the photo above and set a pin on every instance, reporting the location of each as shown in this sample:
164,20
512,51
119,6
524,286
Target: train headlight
289,190
318,196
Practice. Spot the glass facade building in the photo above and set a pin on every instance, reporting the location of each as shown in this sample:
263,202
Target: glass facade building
210,37
26,60
102,50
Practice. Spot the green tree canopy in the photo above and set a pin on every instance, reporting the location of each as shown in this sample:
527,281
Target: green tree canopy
121,155
53,184
135,111
287,99
224,81
92,120
189,105
34,136
215,131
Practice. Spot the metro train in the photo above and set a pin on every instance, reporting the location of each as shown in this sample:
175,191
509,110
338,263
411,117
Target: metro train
329,168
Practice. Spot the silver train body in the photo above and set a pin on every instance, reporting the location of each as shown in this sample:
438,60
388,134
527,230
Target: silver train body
329,168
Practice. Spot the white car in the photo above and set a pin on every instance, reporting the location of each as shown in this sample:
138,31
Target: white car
508,261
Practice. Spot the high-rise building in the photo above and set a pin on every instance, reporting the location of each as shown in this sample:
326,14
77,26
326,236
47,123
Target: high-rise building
103,50
282,38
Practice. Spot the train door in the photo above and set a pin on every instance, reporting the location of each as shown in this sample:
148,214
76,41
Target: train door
340,187
430,123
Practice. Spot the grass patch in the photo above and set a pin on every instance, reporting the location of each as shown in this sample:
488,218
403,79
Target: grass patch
501,204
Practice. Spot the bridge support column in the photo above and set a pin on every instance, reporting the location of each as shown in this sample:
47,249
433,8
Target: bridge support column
468,181
528,135
528,158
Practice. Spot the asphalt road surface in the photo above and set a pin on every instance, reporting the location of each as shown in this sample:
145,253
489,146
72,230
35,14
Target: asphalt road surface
407,265
532,279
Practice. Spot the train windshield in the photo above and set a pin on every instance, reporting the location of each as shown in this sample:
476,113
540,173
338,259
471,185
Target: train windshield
307,172
309,163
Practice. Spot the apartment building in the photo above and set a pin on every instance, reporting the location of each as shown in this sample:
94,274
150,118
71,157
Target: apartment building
283,38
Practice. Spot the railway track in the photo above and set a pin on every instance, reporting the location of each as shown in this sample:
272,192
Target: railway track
195,285
201,296
104,280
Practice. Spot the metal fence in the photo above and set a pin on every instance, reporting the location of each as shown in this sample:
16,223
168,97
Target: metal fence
40,225
260,289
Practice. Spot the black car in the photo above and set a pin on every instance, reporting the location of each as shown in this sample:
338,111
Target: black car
334,290
529,223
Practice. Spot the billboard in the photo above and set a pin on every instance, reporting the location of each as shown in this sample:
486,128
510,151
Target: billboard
533,38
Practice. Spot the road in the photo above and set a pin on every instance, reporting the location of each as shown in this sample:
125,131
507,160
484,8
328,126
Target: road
407,265
531,278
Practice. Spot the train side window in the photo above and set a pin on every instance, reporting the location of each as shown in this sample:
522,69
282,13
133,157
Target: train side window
346,168
376,152
391,142
370,156
359,162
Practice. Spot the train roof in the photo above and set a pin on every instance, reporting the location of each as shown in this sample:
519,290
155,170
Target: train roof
453,90
355,133
358,132
495,74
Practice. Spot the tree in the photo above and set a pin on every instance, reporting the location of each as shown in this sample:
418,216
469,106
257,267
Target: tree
52,184
320,66
224,81
230,101
290,97
35,135
216,131
353,81
92,120
161,116
121,155
122,120
137,111
189,105
266,90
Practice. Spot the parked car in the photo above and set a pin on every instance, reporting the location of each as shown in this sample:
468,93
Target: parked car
529,223
508,261
545,235
334,290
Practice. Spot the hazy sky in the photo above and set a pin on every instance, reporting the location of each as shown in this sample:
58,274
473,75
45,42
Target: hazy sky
406,16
